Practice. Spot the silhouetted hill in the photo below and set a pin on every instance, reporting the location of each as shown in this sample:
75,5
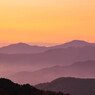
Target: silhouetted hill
84,69
22,48
74,86
7,87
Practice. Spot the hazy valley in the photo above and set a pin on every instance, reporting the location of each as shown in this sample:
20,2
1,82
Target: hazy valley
23,63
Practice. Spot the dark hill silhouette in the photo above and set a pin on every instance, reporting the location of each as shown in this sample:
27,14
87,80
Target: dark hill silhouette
7,87
84,69
75,86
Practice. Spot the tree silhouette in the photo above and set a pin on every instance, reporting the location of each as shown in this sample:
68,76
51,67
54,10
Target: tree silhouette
7,87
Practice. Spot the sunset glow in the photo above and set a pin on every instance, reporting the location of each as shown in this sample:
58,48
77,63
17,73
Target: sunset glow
53,21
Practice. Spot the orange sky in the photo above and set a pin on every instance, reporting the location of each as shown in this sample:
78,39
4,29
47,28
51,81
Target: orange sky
54,21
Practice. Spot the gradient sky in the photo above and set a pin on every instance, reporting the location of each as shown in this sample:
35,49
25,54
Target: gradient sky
54,21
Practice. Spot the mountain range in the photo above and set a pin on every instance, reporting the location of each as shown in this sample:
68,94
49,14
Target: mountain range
72,59
84,69
74,86
21,48
26,48
75,43
64,54
52,57
21,55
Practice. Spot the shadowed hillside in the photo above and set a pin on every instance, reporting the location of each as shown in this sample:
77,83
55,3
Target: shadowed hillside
7,87
74,86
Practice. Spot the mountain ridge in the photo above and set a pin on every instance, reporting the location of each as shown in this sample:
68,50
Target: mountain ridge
75,43
63,56
75,86
7,87
22,48
85,69
26,48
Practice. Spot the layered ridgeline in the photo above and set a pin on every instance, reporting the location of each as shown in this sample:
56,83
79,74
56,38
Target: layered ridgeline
84,69
74,86
26,48
62,56
7,87
29,59
22,48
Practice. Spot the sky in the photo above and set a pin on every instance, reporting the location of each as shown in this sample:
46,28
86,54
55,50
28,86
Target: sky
47,21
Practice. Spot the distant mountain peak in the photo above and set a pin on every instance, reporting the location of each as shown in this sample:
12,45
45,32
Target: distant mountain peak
75,43
78,41
16,46
19,44
21,48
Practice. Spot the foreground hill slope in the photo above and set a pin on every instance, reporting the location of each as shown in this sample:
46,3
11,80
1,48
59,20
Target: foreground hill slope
74,86
84,69
7,87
